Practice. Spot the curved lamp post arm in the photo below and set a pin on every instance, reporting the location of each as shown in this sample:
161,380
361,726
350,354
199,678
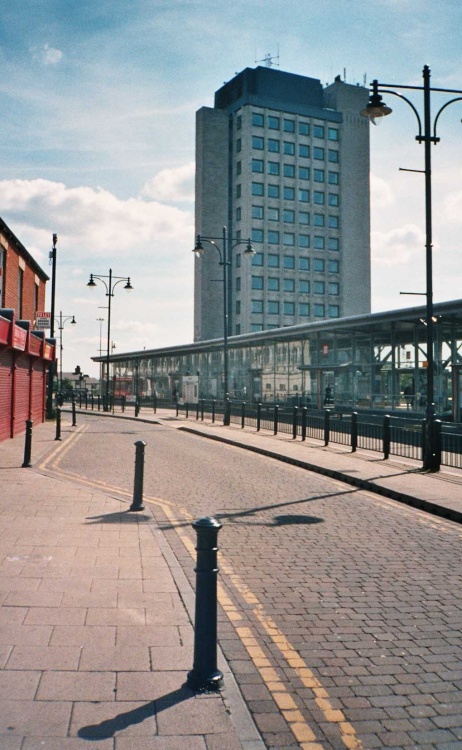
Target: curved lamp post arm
456,99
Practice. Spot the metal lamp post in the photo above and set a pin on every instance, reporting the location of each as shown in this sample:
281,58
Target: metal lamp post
51,370
375,109
109,286
225,261
62,321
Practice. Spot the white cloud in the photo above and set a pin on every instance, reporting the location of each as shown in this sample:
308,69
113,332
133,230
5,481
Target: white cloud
93,221
453,207
175,184
47,55
398,246
381,192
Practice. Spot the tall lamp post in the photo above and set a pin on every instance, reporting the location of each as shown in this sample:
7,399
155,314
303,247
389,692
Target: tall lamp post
375,109
62,321
51,370
100,321
109,286
224,253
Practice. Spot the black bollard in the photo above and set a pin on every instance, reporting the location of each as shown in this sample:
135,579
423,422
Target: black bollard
205,676
58,424
28,445
74,417
137,503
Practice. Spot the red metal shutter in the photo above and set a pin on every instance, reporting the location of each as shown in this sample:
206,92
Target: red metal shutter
37,409
21,393
6,392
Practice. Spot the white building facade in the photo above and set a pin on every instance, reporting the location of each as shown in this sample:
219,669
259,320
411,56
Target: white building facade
285,162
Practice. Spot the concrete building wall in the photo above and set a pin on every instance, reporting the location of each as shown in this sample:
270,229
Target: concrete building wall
211,214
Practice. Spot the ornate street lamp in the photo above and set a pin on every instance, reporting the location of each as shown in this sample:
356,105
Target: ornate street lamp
109,286
375,110
225,261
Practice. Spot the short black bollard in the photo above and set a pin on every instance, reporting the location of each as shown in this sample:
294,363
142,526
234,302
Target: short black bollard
205,676
137,407
74,417
92,402
258,416
213,410
354,431
202,410
294,422
58,424
227,413
304,411
243,415
28,445
326,426
99,402
386,436
276,419
137,503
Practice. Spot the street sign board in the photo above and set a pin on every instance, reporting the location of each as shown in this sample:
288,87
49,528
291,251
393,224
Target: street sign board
42,320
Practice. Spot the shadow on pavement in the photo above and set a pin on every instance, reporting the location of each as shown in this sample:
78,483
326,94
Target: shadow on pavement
109,727
125,516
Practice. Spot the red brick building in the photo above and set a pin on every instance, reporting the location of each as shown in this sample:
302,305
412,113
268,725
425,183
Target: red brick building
22,281
25,354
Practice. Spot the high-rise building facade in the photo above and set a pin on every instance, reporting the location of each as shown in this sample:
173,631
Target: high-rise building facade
285,162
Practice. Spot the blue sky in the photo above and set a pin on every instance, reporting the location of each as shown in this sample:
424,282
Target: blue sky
97,140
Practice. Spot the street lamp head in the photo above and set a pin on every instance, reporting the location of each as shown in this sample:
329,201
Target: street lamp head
249,249
91,283
55,240
376,108
199,249
73,321
128,286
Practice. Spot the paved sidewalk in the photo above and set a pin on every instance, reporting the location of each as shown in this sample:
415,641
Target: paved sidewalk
95,623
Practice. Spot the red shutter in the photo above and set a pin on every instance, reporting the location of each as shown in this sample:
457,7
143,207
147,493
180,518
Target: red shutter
6,392
21,393
37,409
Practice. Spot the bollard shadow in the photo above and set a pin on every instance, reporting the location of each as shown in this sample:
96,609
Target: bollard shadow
108,728
287,520
124,516
242,516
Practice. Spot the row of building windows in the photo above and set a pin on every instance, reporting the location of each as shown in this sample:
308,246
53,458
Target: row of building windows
304,173
273,285
319,311
273,145
290,239
274,167
288,308
289,194
303,286
273,260
289,216
288,125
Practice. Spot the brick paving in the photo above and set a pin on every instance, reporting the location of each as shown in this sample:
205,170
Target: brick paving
365,591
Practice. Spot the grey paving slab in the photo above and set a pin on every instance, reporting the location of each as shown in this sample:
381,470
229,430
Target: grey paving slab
77,686
35,718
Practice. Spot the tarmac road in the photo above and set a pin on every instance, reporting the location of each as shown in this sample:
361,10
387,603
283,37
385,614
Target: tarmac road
341,610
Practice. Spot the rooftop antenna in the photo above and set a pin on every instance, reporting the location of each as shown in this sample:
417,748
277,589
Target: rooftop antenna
269,59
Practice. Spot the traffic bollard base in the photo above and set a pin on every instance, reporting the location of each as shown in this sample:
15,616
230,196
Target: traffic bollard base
133,507
205,683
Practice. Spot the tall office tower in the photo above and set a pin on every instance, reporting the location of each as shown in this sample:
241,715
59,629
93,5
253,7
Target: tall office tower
284,161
